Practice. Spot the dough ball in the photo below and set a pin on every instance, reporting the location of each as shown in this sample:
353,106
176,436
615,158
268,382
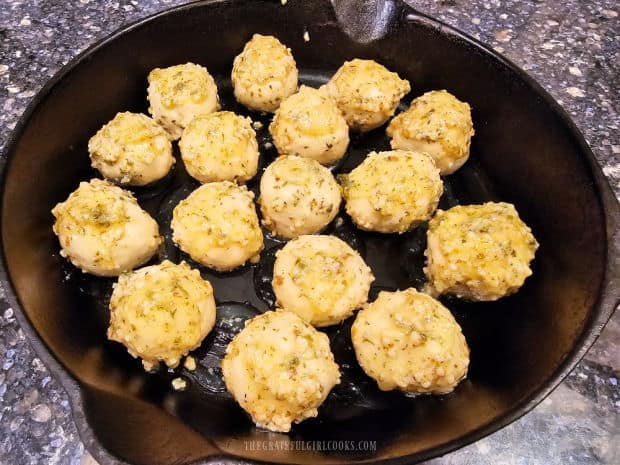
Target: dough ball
161,312
103,231
478,252
280,370
321,279
217,226
309,124
131,149
367,93
264,74
409,341
220,146
298,196
179,93
392,191
436,123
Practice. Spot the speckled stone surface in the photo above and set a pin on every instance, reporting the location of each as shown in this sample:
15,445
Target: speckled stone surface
569,46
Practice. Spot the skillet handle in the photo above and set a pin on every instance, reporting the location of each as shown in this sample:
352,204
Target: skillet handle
367,20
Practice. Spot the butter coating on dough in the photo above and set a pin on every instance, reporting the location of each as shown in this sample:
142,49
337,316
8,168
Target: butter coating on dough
409,341
161,312
367,93
217,226
103,231
436,123
131,149
179,93
478,252
321,278
280,370
264,74
309,124
393,191
220,146
298,196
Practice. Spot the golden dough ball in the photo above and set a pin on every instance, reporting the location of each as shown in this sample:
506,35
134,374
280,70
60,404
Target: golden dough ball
298,196
131,149
280,370
161,312
409,341
179,93
309,124
478,252
220,146
436,123
367,93
103,231
393,191
321,279
264,74
217,226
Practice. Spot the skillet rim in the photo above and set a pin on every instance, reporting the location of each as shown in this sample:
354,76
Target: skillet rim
607,301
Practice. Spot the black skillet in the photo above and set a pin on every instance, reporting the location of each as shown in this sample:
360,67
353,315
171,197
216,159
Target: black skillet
526,151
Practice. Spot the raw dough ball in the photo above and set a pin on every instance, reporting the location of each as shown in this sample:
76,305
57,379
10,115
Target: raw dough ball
179,93
298,196
321,279
309,124
409,341
436,123
280,370
478,252
131,149
220,146
217,226
103,231
392,191
264,74
367,93
161,312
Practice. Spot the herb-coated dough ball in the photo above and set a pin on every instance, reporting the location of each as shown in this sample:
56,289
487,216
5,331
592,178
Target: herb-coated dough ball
392,192
217,226
131,149
309,124
264,74
161,312
409,341
220,146
280,370
103,231
321,279
298,196
367,93
436,123
179,93
478,252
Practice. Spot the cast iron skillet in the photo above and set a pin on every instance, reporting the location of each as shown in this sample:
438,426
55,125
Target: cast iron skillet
526,151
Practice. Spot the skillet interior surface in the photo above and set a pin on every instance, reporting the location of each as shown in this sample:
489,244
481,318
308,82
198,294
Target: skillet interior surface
524,152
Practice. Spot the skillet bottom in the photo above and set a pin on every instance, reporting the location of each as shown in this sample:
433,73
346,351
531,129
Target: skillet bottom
396,261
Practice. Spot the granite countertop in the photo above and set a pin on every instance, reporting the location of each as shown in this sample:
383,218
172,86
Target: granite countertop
569,46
